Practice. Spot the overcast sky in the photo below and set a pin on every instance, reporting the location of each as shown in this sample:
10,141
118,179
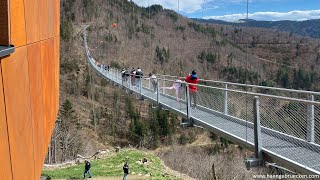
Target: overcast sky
232,10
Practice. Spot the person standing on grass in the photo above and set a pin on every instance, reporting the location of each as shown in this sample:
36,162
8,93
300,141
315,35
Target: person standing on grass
125,171
193,79
87,169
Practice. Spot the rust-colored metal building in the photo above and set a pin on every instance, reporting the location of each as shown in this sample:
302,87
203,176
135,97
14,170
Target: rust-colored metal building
29,84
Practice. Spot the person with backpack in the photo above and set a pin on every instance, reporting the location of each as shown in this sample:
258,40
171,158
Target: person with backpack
124,76
175,86
193,79
125,171
87,169
133,74
139,75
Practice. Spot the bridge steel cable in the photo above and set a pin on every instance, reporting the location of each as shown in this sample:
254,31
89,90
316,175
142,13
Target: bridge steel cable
290,131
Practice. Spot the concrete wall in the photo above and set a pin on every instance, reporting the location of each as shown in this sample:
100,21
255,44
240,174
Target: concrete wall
29,85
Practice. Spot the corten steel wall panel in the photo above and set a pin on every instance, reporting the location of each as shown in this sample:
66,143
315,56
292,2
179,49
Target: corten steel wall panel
51,81
51,14
57,71
44,56
5,170
17,101
4,23
47,60
44,19
35,77
56,17
32,20
17,23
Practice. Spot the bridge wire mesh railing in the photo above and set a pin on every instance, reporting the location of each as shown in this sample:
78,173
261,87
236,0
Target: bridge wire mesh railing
284,116
290,121
317,120
232,105
287,117
292,93
168,94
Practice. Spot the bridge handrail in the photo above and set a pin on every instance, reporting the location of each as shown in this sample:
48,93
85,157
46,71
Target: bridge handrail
249,93
237,91
250,85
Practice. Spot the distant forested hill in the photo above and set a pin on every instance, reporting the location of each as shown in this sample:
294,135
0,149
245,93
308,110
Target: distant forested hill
304,28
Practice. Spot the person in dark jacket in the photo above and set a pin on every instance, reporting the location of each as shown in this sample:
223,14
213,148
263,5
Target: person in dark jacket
87,169
125,171
124,76
193,79
139,75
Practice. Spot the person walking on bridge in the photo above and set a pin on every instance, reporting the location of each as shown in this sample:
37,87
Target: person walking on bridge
87,169
153,80
193,79
133,74
124,76
175,86
139,75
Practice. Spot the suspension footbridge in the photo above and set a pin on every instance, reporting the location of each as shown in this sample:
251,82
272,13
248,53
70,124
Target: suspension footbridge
279,125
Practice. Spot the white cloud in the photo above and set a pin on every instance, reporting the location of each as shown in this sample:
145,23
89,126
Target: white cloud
272,16
186,6
211,7
196,6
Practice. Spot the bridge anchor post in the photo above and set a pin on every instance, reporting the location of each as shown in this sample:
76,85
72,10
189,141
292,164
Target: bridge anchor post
112,77
130,84
189,121
257,160
310,121
158,93
117,77
140,88
164,85
226,100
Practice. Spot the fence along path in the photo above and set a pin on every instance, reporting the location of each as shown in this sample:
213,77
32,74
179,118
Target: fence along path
284,128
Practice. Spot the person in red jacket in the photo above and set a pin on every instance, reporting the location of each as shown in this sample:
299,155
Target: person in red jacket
193,79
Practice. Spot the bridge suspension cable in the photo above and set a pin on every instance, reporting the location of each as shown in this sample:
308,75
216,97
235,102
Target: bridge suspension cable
246,74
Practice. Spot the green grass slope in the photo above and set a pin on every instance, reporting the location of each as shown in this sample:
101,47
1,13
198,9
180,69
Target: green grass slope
112,167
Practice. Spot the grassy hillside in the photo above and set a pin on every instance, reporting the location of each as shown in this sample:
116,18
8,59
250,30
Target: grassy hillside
112,167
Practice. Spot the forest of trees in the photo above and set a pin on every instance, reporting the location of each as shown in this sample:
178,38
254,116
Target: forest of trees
162,55
209,57
65,142
297,79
